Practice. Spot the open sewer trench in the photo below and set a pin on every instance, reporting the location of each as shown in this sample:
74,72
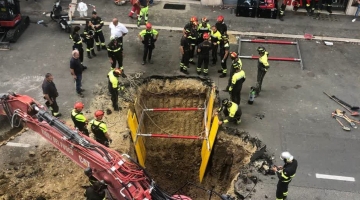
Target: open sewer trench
174,162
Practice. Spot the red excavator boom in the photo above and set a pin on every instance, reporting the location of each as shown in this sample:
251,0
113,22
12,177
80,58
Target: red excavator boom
125,179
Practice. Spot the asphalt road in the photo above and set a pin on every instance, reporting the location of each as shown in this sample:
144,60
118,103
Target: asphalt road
297,113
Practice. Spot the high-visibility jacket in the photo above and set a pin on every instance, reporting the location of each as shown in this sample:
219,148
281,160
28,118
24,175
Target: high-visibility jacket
203,29
113,80
76,38
288,172
99,129
237,64
236,79
114,50
149,36
216,37
233,109
79,119
263,62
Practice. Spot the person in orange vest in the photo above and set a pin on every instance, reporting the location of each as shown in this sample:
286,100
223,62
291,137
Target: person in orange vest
135,8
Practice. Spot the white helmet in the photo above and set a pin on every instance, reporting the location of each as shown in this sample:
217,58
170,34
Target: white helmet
287,156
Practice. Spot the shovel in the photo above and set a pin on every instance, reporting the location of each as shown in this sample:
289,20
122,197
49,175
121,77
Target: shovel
339,113
346,104
344,127
352,113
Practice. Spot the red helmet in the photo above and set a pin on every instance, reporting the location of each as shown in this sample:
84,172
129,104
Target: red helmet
206,36
220,18
233,55
99,113
193,19
148,26
79,105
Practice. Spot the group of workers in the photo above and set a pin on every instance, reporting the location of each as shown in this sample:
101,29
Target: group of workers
312,6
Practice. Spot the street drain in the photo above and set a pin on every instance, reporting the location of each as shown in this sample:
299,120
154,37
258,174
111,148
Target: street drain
174,6
174,163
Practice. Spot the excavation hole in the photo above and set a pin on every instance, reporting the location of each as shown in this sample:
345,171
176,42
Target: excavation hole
174,162
174,6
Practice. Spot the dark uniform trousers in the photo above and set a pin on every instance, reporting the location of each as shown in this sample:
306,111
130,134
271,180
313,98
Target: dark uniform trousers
282,189
114,97
185,60
260,77
214,53
117,58
235,94
203,59
148,48
53,107
99,35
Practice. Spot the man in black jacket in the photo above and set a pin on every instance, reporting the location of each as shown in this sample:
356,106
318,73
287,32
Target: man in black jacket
50,93
76,69
98,23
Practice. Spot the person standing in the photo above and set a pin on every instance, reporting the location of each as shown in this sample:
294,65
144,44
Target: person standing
118,31
99,128
235,64
357,11
263,67
193,37
215,40
285,174
77,39
148,37
222,28
237,81
78,118
204,52
115,54
204,27
144,9
82,9
185,52
224,54
135,8
113,76
89,33
50,94
76,69
99,36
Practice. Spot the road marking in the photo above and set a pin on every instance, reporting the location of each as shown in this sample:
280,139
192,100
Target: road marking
12,144
332,177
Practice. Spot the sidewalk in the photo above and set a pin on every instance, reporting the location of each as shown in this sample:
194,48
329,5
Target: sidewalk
295,23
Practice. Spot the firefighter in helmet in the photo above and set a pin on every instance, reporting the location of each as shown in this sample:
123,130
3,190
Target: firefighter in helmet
115,87
99,128
235,64
263,67
237,81
204,27
224,54
192,27
204,53
231,110
79,119
185,52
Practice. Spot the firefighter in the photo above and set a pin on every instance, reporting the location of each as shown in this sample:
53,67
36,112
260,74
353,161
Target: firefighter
95,191
98,23
282,10
185,52
148,37
193,36
222,28
263,66
204,27
215,40
113,76
237,81
224,54
115,54
144,9
232,112
77,39
235,64
285,174
80,121
99,128
89,32
203,50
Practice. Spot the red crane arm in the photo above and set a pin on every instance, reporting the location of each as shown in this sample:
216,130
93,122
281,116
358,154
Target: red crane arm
125,179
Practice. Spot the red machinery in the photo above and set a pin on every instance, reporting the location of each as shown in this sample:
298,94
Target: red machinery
125,179
12,23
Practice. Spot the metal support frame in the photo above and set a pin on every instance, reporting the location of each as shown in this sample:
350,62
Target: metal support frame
172,109
280,42
164,135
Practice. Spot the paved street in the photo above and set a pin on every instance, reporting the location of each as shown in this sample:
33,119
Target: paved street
297,113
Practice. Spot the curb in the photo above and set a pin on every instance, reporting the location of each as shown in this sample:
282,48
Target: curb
259,34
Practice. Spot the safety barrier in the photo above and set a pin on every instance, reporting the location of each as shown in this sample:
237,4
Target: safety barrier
280,42
210,123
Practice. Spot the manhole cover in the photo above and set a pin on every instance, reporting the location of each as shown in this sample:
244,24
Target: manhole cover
174,6
326,17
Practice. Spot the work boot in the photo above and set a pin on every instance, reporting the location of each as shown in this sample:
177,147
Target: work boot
58,115
328,8
220,71
98,47
184,71
238,121
93,53
191,61
222,75
84,67
82,90
116,109
281,18
88,55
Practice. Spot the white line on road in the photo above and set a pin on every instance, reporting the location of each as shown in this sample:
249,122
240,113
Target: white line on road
339,178
12,144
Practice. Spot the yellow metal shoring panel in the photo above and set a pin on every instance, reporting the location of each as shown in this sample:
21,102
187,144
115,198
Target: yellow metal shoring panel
205,152
139,144
210,108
